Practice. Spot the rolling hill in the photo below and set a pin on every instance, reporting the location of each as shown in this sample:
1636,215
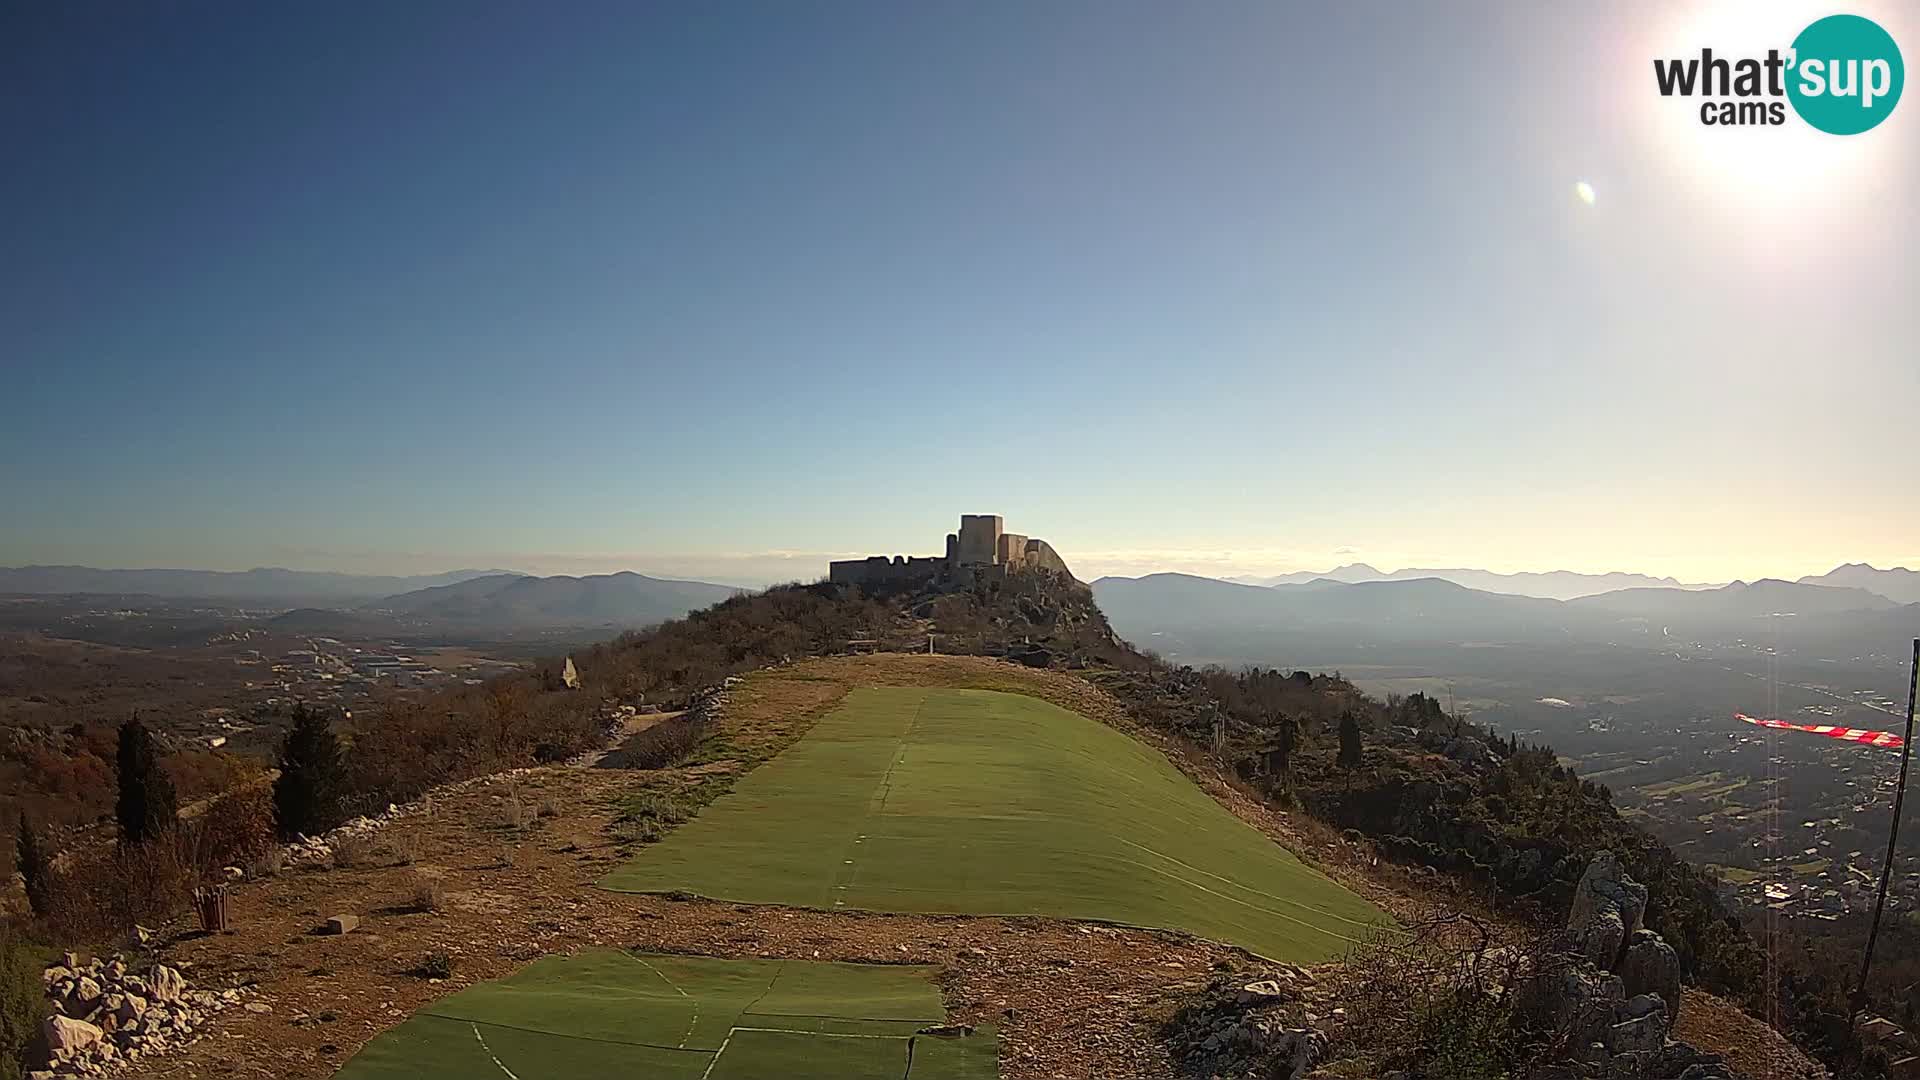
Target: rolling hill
625,599
1898,583
1549,585
264,585
1738,601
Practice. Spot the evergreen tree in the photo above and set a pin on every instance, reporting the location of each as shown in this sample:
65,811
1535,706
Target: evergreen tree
1350,748
36,866
147,807
306,797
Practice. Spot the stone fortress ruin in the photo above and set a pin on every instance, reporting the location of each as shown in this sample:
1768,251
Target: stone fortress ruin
981,552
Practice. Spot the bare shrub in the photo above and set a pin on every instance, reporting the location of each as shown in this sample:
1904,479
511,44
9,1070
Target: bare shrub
351,852
408,848
663,744
99,895
235,829
1447,1001
428,894
437,964
268,863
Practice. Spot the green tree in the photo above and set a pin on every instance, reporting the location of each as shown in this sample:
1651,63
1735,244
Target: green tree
307,794
36,866
1350,747
147,807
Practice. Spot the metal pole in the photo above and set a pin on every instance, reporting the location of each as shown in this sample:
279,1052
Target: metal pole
1893,833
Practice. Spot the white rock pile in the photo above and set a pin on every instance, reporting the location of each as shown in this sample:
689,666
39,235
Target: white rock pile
305,849
105,1017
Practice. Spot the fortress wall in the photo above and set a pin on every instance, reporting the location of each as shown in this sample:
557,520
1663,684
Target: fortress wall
1011,549
1041,555
880,570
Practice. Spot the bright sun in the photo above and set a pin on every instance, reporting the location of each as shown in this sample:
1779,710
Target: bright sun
1584,191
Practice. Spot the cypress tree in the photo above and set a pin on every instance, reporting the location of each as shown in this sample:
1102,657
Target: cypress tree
1350,749
147,807
306,796
36,866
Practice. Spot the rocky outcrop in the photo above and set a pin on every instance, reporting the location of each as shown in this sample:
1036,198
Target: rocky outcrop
1650,966
1608,908
1615,1000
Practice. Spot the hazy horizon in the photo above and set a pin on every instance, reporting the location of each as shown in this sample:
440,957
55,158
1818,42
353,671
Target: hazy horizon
719,293
757,570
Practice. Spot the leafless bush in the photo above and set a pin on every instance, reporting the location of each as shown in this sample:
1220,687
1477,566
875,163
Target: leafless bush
1448,1000
663,744
408,848
428,895
351,852
268,863
98,896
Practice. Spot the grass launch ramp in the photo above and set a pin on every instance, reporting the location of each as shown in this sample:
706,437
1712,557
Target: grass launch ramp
620,1014
980,802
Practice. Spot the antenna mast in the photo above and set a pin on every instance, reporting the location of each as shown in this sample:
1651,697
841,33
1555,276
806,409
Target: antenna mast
1893,832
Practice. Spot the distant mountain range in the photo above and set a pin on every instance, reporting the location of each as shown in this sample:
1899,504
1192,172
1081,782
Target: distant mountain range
269,586
1435,610
1551,585
625,599
1898,584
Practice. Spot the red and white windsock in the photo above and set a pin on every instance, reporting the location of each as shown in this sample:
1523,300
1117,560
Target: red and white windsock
1884,739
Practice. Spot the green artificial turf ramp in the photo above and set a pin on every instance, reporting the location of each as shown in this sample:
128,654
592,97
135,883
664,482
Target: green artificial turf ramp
979,802
605,1013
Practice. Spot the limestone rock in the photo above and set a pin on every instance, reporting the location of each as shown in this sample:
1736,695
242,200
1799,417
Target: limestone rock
67,1036
166,983
1652,967
1266,992
1608,909
1641,1035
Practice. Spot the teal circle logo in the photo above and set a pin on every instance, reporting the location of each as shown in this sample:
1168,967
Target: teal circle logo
1847,74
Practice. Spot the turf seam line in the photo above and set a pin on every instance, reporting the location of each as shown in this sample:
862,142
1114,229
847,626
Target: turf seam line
1248,888
691,1000
821,1034
876,802
563,1035
853,1019
482,1039
777,972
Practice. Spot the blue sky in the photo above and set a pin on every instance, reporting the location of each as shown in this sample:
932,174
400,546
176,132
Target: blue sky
725,289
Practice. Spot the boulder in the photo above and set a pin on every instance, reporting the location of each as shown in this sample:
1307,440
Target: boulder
1641,1035
1583,1001
1608,909
1650,966
67,1036
86,994
341,924
1255,994
166,984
